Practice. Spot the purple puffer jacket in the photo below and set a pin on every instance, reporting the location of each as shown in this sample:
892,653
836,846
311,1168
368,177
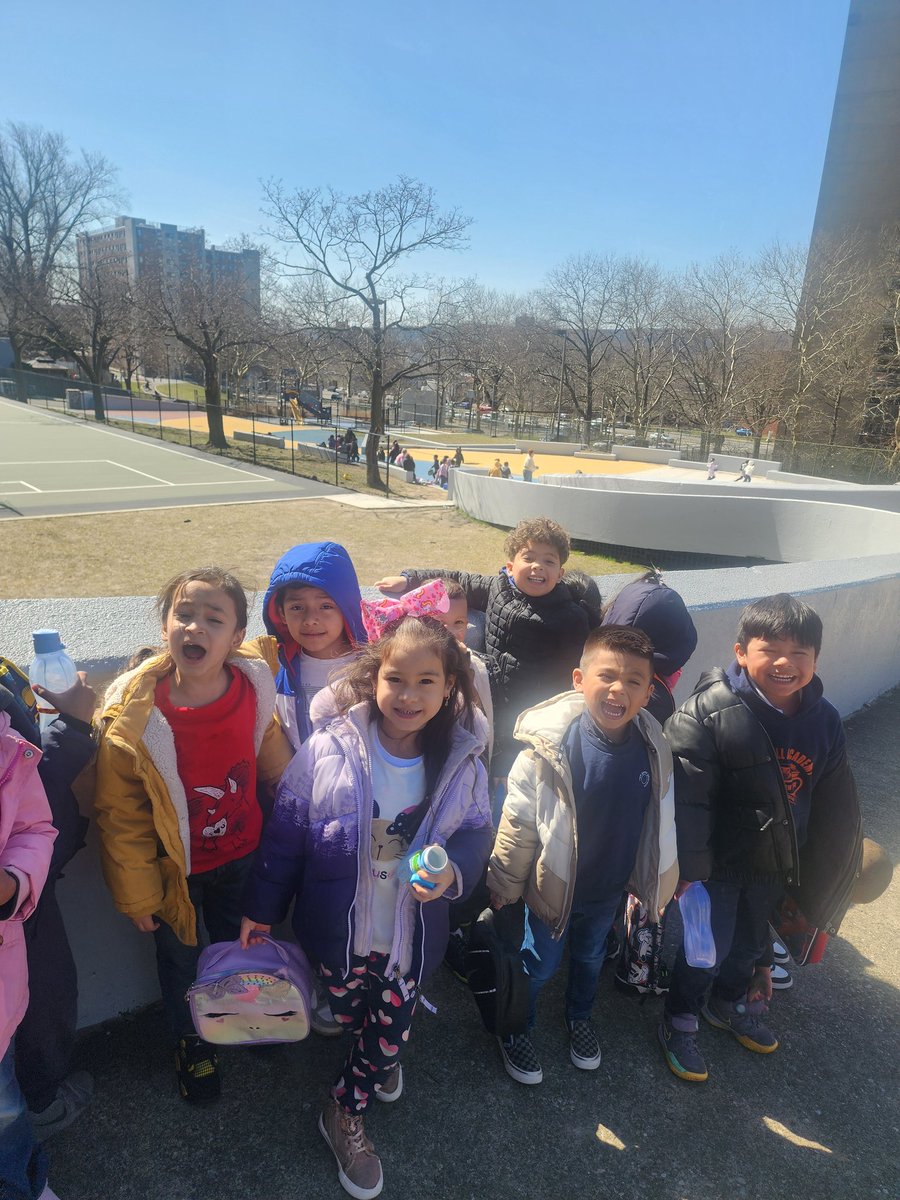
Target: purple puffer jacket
316,847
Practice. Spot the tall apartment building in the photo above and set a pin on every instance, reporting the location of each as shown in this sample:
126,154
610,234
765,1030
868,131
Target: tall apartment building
134,249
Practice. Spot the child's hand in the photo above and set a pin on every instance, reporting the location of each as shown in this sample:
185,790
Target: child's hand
249,929
394,585
8,884
440,879
760,987
498,901
78,701
146,924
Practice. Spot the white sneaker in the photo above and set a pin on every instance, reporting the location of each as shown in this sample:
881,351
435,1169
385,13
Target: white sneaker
322,1018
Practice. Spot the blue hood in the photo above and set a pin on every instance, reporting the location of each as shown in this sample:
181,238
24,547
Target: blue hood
661,613
324,565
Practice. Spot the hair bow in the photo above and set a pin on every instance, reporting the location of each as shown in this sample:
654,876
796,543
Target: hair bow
423,601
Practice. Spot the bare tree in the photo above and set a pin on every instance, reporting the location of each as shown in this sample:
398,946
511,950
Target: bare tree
357,245
46,195
714,327
86,319
579,303
210,319
645,343
825,300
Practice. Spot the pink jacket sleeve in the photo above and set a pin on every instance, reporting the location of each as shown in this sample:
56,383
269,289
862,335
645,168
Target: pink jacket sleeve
26,830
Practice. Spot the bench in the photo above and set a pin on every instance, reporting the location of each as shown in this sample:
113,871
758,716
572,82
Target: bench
260,439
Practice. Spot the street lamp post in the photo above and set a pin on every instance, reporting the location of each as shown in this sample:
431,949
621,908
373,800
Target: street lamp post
562,373
168,372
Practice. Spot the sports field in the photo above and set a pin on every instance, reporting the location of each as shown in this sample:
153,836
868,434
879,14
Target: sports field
51,464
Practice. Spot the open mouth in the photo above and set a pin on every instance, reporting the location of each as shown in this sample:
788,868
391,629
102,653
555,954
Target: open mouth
615,712
407,714
192,652
782,678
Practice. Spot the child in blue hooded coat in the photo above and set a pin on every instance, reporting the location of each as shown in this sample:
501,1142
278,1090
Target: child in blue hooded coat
312,609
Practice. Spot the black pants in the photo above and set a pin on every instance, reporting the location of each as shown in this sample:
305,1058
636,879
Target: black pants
46,1037
739,914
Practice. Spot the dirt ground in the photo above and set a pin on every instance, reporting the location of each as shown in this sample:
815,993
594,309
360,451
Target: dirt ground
133,553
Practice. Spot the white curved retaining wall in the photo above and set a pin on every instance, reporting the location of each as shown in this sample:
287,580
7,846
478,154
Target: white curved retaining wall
760,525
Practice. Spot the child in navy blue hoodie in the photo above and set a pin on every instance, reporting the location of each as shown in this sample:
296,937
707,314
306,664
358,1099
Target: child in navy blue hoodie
764,803
312,608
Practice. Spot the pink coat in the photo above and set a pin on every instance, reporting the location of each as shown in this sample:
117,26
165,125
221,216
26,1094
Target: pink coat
26,843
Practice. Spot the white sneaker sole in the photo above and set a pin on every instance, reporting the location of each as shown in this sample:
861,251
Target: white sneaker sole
529,1078
390,1097
585,1064
359,1193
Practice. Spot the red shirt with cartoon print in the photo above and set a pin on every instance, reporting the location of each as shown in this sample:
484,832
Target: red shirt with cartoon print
216,756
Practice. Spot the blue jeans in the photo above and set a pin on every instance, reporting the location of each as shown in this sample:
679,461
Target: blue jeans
23,1164
585,932
218,895
739,914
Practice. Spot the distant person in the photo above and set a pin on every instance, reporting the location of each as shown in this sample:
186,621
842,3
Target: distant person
711,467
529,466
394,452
408,464
496,471
506,470
434,468
351,447
443,472
458,459
745,474
331,442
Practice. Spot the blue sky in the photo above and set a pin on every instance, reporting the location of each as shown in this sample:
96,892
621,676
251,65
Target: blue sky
674,129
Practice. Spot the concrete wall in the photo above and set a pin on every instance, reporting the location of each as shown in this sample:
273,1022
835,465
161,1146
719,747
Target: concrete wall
885,496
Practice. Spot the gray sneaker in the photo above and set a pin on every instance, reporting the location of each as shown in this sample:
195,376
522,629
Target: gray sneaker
359,1167
321,1018
393,1089
73,1096
744,1020
678,1038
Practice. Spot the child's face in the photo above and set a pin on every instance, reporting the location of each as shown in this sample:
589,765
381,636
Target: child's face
536,569
780,667
201,629
314,621
456,619
616,687
409,691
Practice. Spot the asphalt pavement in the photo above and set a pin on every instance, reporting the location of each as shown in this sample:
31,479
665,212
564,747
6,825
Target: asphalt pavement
819,1118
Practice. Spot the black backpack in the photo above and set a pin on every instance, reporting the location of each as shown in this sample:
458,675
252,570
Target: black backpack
497,978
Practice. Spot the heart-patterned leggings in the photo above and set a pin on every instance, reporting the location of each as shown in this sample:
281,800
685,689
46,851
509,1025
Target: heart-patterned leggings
378,1012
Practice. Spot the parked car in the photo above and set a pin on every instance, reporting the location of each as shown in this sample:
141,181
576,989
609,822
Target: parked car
742,432
662,441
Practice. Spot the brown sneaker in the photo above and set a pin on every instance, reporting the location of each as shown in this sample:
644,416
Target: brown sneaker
359,1167
393,1089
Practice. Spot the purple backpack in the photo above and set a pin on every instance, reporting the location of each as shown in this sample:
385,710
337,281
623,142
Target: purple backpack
253,996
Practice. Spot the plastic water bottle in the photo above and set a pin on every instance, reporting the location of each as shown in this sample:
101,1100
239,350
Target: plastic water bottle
699,944
51,668
432,859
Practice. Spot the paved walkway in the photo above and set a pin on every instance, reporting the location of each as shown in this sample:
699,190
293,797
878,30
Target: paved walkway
817,1119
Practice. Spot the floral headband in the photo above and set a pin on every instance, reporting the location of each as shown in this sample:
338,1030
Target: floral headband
424,601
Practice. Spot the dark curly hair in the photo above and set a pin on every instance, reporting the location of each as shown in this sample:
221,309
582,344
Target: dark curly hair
538,529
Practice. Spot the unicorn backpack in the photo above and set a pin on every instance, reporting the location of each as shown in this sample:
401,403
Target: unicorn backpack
252,997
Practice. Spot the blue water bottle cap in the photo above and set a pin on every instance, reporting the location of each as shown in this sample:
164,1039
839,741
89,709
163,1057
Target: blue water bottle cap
46,641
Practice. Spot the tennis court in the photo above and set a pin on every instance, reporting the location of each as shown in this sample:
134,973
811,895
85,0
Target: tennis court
54,465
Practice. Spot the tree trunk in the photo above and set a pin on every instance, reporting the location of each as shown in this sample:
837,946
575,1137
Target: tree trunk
21,385
99,407
376,429
214,420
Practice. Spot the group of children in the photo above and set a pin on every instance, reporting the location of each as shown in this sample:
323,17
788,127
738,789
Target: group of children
236,778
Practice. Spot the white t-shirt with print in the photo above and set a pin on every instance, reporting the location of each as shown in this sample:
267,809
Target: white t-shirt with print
398,785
